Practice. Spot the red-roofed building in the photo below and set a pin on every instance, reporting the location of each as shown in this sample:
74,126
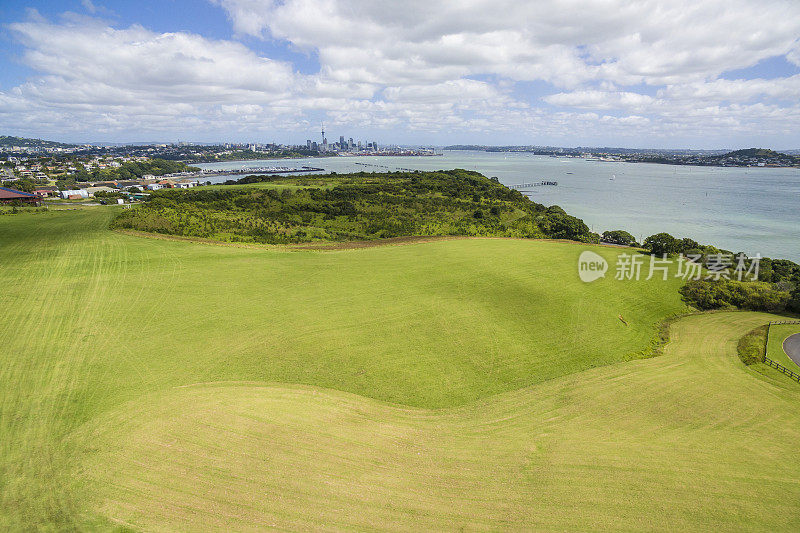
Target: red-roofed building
8,196
46,191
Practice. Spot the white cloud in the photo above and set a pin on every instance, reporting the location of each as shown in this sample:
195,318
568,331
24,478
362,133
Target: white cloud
649,68
738,91
100,79
794,55
137,59
563,41
452,91
591,99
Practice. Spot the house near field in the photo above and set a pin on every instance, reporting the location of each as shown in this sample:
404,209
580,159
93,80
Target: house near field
185,184
74,194
46,191
155,186
8,196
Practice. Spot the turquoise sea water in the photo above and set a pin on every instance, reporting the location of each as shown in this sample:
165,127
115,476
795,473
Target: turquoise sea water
752,210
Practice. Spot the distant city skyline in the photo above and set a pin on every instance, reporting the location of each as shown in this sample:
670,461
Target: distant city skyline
650,74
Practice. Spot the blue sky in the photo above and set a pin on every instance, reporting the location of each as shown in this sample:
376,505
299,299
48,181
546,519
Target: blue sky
651,73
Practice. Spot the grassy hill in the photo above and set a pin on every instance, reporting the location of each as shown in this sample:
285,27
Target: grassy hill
754,152
762,154
7,141
163,385
690,441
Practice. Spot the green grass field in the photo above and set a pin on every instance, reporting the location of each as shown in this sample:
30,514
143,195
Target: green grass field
477,383
778,334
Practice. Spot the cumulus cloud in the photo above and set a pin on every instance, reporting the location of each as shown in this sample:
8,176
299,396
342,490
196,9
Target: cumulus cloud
644,69
135,59
794,55
563,41
737,91
96,78
451,91
593,99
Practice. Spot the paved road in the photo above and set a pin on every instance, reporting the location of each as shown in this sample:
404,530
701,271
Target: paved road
792,347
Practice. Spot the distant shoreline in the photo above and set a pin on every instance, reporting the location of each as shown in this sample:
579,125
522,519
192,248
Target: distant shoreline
750,158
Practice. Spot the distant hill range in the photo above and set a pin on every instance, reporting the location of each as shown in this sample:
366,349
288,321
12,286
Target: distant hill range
758,154
7,141
745,158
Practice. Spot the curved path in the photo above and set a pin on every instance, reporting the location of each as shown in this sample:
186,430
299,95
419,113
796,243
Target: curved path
792,347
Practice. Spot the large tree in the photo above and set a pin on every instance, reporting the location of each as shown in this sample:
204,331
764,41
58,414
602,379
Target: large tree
662,243
619,236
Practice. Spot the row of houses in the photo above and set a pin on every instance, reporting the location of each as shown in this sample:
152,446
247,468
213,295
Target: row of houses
43,169
90,189
172,184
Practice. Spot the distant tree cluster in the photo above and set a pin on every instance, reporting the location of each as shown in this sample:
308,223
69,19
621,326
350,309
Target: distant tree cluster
776,289
725,294
25,184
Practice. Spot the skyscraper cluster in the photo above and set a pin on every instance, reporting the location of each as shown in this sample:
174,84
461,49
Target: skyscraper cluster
343,145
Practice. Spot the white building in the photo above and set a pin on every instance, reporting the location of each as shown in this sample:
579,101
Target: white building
74,192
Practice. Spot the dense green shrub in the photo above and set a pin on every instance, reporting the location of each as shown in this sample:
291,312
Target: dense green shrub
724,294
793,304
358,206
619,237
559,225
752,346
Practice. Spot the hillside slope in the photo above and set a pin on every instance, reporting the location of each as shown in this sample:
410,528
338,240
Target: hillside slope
172,385
688,441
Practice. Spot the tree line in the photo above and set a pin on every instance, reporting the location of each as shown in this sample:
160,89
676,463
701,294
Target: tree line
775,289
